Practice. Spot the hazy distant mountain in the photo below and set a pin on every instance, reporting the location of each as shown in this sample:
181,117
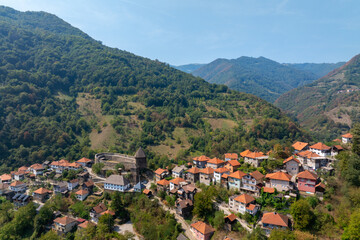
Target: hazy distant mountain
319,69
329,105
259,76
188,68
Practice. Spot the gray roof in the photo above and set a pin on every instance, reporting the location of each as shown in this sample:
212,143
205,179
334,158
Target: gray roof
140,153
181,237
117,179
178,169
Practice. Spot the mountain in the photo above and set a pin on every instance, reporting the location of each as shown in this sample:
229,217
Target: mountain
65,95
259,76
329,105
319,69
188,68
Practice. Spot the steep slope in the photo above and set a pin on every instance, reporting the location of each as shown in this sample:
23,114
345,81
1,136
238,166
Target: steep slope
329,105
63,94
319,69
259,76
188,68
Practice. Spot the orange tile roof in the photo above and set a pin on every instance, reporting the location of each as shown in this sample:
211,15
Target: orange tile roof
207,170
160,171
257,175
37,166
84,160
279,176
244,153
251,207
84,224
193,170
42,191
231,155
19,173
225,175
308,154
202,227
320,184
163,182
244,198
275,219
299,145
108,212
254,155
338,147
320,146
146,191
202,158
177,181
347,135
23,168
237,174
336,140
307,175
215,161
64,220
231,217
291,158
5,177
16,183
221,170
82,192
75,165
234,163
269,189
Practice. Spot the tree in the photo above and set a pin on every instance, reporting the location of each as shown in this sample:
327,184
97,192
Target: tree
256,234
356,139
203,204
118,206
106,224
302,214
278,234
44,216
219,221
96,168
352,231
50,235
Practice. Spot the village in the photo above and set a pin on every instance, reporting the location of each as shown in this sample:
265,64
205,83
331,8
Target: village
240,174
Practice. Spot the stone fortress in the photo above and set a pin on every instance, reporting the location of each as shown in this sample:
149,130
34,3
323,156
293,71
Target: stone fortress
133,164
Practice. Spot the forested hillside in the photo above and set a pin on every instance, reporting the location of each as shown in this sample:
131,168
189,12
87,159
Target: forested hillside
319,69
259,76
330,105
61,92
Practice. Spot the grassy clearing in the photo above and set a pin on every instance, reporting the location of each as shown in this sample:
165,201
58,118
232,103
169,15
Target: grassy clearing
221,123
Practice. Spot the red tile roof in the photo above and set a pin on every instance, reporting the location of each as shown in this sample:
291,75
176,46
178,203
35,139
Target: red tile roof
221,170
202,227
84,224
202,158
146,191
320,184
237,174
207,171
216,161
244,198
84,160
163,182
82,192
16,183
347,135
234,163
108,212
291,158
269,189
244,153
336,140
231,217
308,154
193,170
5,177
251,207
37,166
299,146
275,219
255,155
177,181
320,146
307,175
64,220
160,171
42,191
23,168
231,155
279,176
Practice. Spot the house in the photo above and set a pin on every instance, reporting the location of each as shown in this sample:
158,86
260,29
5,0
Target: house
41,194
184,207
147,192
89,185
61,187
307,181
187,192
255,158
96,211
116,183
85,162
82,194
300,146
234,179
232,165
23,168
320,149
21,200
244,153
108,212
60,166
74,166
139,187
72,184
292,165
279,180
229,220
163,185
176,183
231,156
347,138
17,186
5,178
83,175
311,160
19,175
63,225
3,188
252,183
206,175
215,163
193,174
336,149
274,220
161,174
320,188
178,171
243,204
218,173
37,169
201,161
202,231
84,225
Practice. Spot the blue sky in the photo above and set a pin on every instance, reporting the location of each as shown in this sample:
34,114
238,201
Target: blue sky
199,31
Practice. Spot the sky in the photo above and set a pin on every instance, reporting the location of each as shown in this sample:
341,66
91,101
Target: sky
200,31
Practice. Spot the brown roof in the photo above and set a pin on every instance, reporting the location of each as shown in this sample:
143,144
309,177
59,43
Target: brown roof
16,183
254,155
279,176
299,145
82,192
221,170
202,227
207,171
100,208
231,217
257,175
185,203
202,158
231,155
74,180
347,135
193,170
320,146
291,158
237,174
275,219
308,154
234,163
216,161
244,153
177,181
163,182
64,220
160,171
89,183
189,187
84,160
42,191
269,189
307,175
5,177
244,198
